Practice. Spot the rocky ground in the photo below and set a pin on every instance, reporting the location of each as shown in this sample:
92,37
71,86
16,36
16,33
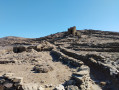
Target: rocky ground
61,61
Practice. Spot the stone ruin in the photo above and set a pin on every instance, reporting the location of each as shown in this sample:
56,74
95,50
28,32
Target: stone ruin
74,32
10,82
43,46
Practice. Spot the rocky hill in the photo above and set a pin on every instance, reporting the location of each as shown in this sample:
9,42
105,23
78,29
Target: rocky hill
71,60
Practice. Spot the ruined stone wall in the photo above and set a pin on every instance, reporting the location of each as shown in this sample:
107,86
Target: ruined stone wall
93,61
72,30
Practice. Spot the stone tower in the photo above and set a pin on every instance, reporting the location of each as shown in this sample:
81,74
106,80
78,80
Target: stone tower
72,30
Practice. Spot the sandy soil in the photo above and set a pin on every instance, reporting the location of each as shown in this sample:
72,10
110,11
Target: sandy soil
59,75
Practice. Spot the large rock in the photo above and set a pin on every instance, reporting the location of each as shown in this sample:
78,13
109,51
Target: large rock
59,87
42,68
72,87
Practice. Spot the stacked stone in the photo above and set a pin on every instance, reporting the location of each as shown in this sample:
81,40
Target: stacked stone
9,81
64,58
82,77
72,30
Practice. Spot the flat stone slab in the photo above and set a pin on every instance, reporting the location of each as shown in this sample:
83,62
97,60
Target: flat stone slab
83,67
5,62
78,78
83,72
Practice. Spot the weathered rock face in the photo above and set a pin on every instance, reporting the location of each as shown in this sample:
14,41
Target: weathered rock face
42,68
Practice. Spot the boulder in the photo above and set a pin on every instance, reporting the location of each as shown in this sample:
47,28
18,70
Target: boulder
72,87
42,68
59,87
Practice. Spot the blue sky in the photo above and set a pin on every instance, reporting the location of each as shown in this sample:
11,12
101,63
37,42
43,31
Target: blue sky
37,18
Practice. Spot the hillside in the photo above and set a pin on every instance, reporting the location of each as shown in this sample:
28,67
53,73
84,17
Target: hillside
71,60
